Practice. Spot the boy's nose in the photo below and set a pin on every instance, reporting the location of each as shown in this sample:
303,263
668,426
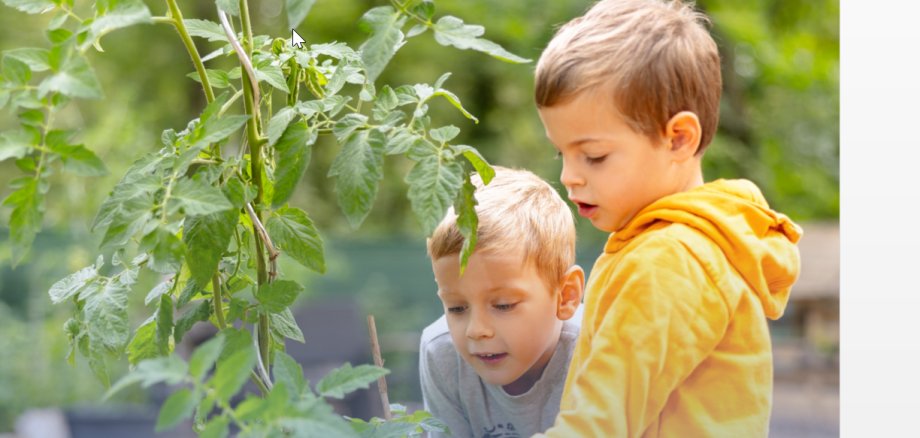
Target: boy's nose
569,177
478,328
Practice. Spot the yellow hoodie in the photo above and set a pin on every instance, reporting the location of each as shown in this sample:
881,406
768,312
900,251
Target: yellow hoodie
674,341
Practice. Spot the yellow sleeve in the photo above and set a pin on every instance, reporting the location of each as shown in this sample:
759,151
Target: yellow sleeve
658,316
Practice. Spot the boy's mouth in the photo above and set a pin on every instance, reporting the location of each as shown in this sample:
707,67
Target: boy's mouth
491,358
585,209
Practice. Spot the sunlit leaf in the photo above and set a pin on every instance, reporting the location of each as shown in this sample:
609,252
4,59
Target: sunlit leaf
451,31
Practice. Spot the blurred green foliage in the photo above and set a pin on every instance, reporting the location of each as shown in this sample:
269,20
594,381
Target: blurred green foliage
779,127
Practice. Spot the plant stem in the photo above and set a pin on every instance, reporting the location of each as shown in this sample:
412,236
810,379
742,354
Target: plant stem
190,47
378,360
218,301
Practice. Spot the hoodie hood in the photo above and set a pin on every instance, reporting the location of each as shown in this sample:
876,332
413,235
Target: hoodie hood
757,241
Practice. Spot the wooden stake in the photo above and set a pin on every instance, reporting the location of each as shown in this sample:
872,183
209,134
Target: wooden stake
378,360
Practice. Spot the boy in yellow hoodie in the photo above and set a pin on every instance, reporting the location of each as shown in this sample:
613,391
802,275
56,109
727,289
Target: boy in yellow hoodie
674,340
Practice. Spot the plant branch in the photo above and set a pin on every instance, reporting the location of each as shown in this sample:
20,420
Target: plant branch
190,47
263,235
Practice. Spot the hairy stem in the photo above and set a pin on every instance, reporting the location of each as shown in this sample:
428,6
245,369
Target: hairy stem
190,47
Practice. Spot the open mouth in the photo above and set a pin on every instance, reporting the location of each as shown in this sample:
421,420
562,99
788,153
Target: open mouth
586,210
491,358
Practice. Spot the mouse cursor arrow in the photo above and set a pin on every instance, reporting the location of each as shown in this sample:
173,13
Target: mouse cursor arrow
296,39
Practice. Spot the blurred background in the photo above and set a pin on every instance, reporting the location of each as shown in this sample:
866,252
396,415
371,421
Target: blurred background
779,128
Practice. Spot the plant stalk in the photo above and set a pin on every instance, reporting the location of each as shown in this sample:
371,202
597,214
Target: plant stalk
190,47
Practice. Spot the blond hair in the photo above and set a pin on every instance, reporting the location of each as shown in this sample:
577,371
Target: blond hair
656,58
516,210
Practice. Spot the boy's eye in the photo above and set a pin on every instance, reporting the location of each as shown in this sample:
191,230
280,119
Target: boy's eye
505,307
456,309
596,160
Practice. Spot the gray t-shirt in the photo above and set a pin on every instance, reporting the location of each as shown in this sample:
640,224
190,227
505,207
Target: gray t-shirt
454,393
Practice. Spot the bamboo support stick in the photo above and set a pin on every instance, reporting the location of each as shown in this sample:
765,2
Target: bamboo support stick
378,360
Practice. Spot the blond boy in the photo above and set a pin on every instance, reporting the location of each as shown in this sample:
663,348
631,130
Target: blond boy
674,340
494,364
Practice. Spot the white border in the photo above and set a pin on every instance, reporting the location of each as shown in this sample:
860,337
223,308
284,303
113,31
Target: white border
880,236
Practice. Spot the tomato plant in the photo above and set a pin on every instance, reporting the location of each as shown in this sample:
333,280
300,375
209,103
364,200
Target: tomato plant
209,210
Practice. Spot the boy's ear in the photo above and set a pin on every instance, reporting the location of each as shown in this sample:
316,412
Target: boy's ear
683,133
570,293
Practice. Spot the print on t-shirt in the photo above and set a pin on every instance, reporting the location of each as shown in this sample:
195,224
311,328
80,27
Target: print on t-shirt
501,431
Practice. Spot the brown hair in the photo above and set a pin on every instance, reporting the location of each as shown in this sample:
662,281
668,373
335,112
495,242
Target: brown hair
517,210
656,58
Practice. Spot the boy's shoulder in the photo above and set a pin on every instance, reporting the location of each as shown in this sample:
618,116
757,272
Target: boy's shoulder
437,336
669,243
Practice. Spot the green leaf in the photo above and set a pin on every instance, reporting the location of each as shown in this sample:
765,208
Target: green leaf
204,357
292,158
286,370
451,31
143,345
284,325
177,407
483,168
217,78
170,370
233,372
231,7
165,249
358,169
279,124
273,75
278,295
26,217
73,284
31,6
216,428
384,24
297,10
15,71
348,124
125,13
215,130
424,10
201,312
75,79
433,185
385,102
455,101
80,160
35,58
294,234
164,324
158,290
444,134
106,313
238,193
198,198
346,379
206,238
205,29
400,140
467,221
